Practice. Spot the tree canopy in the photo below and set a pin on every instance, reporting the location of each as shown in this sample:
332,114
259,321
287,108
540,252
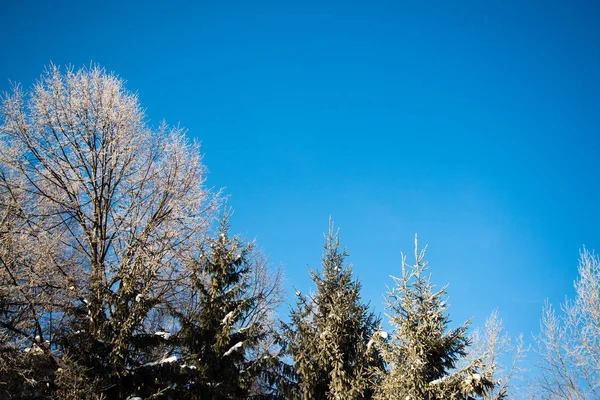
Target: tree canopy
120,278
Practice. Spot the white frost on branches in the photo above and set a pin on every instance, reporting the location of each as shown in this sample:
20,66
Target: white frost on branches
92,197
569,343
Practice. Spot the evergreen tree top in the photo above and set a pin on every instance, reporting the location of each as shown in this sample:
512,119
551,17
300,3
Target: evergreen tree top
422,352
328,335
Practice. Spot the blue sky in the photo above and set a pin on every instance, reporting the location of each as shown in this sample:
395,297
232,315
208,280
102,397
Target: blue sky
474,124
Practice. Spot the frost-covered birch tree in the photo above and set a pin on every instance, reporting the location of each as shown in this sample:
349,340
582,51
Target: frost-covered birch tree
569,342
99,213
421,353
502,358
329,331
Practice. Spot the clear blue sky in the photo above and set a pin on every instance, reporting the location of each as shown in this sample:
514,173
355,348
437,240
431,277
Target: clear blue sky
474,124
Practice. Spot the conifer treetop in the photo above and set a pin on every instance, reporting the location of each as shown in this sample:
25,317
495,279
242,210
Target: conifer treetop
421,353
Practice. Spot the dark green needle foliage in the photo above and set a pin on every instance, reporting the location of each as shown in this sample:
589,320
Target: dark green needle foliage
328,335
222,335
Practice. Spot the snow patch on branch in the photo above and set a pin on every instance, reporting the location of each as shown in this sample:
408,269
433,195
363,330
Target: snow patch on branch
473,379
383,334
227,318
164,335
167,360
233,348
439,380
35,349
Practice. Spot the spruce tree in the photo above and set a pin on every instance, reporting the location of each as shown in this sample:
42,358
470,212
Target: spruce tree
329,331
221,337
421,353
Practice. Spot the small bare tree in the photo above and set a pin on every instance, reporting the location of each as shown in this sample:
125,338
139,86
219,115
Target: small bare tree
98,215
501,357
569,342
